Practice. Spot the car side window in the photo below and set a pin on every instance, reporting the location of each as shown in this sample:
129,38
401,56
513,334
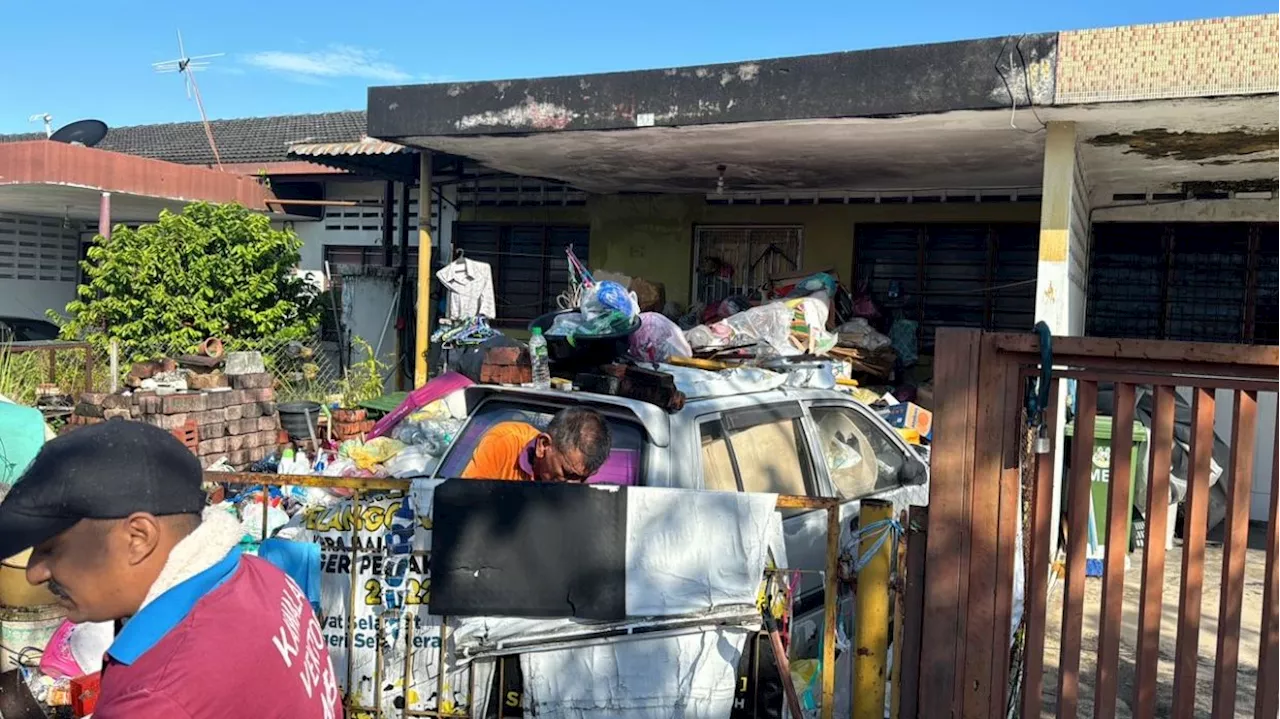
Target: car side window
623,466
757,450
860,457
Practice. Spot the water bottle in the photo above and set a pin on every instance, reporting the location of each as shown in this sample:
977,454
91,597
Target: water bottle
538,355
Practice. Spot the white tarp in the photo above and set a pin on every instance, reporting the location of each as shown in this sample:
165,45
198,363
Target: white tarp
691,676
694,563
689,551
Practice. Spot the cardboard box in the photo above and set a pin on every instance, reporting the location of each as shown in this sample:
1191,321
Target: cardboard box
909,415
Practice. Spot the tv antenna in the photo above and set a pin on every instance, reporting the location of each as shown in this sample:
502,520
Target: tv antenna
187,66
46,118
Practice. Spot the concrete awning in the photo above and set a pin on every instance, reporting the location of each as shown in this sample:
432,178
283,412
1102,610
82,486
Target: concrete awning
951,116
54,179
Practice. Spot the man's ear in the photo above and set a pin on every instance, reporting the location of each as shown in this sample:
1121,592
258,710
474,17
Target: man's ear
540,446
143,531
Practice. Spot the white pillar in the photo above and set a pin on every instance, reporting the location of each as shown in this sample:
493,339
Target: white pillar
1064,259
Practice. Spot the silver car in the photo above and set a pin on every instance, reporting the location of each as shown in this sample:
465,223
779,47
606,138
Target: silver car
808,442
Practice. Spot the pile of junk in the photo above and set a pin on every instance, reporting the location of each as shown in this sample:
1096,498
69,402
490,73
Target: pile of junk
617,334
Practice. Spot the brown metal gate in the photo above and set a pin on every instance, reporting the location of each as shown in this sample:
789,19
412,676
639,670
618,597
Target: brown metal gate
981,465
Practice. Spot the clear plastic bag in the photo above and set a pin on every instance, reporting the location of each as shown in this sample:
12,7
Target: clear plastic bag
658,339
769,324
567,324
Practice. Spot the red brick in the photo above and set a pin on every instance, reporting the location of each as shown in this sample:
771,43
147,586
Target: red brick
235,396
252,381
236,441
242,426
267,439
268,424
115,413
267,407
261,394
116,401
85,409
93,398
213,429
234,412
217,445
239,457
253,410
183,403
215,400
167,421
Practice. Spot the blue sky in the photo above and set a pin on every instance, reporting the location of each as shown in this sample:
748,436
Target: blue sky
77,59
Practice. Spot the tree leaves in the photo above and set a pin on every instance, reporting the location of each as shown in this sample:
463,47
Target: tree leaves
214,270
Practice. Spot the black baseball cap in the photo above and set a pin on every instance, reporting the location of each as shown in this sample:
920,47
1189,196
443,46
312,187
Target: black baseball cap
104,471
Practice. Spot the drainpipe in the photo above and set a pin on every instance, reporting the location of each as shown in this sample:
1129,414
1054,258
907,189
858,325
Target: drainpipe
104,216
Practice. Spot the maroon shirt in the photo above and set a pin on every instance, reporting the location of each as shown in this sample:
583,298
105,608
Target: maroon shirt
237,640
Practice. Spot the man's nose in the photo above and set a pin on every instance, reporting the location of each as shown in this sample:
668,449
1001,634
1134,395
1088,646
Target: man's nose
38,572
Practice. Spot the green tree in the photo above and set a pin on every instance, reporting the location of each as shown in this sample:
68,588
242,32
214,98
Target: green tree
212,271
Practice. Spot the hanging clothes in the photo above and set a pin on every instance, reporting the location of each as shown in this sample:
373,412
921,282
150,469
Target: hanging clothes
470,285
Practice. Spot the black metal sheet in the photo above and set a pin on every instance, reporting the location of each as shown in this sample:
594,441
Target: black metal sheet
528,549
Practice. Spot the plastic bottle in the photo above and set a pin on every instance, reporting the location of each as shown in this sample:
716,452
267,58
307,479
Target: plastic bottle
538,355
286,462
301,464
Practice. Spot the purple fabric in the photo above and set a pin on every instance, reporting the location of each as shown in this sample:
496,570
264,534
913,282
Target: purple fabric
441,386
525,460
622,467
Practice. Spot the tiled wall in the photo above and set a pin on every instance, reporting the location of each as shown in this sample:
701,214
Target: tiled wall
1195,58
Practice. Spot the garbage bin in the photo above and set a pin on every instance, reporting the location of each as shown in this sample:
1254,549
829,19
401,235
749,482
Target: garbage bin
1100,474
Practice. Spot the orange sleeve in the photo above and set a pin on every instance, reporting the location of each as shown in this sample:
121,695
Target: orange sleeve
497,454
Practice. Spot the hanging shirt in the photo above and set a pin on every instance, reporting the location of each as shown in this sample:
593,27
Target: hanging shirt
470,285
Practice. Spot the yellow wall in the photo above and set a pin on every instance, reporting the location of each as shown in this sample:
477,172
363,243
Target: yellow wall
651,236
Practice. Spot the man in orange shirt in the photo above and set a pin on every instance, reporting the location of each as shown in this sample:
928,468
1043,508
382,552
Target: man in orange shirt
572,449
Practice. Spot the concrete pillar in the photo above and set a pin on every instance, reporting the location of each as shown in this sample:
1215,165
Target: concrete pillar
1064,260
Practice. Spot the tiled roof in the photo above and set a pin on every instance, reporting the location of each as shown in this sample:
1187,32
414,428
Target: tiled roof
246,140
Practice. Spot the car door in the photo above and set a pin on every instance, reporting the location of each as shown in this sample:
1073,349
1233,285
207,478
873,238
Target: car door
768,449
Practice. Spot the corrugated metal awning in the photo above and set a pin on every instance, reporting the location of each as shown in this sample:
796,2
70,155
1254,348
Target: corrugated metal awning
365,146
368,156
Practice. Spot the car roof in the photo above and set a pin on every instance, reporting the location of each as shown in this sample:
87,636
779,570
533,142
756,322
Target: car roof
656,421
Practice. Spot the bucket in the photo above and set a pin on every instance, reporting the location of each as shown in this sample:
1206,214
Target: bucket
14,589
294,417
23,627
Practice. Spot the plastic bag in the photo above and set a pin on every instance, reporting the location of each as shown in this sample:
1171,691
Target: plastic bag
859,333
412,462
658,339
903,336
605,297
368,454
57,660
769,324
566,324
430,435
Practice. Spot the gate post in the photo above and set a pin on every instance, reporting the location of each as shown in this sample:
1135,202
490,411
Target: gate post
974,512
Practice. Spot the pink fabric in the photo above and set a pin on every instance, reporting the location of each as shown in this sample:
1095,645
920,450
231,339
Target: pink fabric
441,386
249,648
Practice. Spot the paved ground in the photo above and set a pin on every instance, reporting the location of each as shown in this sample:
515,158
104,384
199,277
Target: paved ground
1249,635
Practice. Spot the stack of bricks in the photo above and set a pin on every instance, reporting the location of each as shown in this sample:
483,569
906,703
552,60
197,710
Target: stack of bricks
240,423
506,365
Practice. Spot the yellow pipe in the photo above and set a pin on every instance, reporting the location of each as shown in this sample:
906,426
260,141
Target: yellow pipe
830,602
870,657
422,332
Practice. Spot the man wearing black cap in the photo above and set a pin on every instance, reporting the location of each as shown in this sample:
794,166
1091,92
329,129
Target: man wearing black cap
117,523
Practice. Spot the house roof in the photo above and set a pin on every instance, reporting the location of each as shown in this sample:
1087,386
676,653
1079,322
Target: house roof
243,140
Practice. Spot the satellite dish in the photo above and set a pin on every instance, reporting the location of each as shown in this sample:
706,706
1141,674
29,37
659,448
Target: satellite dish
81,132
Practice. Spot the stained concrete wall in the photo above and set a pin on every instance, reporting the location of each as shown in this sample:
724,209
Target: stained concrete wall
651,236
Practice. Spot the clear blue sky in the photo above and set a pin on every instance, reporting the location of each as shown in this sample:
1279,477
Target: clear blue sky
77,59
